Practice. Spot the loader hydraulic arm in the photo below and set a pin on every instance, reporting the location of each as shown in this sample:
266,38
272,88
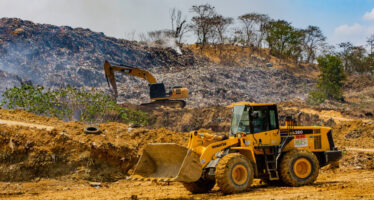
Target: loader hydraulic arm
109,74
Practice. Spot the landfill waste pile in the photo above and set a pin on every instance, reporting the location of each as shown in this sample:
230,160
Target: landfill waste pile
8,80
59,56
222,85
55,56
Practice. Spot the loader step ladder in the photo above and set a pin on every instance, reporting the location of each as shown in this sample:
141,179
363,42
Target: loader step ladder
271,162
271,159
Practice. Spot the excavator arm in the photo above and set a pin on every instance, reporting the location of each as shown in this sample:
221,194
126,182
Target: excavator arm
111,79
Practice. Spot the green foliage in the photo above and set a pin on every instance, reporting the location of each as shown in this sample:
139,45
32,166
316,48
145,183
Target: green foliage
283,39
91,105
316,97
331,79
36,100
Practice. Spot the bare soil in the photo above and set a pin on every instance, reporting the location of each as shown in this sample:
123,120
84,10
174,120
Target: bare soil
338,184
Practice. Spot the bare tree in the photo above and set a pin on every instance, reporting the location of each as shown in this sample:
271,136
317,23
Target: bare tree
313,38
252,23
155,35
221,24
143,37
370,42
178,24
131,35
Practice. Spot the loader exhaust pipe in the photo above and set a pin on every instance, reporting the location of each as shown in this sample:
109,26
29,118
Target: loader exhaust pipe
169,161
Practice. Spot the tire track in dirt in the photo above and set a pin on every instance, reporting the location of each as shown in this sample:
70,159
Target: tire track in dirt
31,125
359,149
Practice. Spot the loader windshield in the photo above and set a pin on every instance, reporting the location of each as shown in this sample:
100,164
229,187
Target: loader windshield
240,120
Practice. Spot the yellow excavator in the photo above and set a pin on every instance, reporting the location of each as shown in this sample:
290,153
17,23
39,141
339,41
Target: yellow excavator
157,91
257,146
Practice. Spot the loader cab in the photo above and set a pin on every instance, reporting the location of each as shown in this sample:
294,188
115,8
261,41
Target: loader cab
254,118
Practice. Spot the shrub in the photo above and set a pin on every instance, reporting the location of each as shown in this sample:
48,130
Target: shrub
331,80
65,103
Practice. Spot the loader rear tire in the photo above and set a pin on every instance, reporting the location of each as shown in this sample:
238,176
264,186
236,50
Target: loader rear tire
200,186
234,173
299,167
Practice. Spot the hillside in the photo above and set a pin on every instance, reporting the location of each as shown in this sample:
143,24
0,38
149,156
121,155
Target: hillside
55,56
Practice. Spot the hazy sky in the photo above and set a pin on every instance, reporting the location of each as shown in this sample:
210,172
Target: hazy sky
340,20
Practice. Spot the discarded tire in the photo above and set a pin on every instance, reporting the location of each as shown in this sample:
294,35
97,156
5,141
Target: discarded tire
92,130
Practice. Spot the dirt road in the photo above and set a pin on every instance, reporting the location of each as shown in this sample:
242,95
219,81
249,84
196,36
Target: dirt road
339,184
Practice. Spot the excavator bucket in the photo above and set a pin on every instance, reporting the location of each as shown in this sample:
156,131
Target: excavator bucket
168,162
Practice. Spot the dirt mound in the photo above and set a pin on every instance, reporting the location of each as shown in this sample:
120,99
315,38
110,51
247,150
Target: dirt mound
233,55
33,152
218,118
357,159
355,134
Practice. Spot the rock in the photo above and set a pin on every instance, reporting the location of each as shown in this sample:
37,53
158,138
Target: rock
354,134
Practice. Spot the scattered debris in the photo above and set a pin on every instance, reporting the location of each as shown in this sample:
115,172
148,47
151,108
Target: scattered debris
95,184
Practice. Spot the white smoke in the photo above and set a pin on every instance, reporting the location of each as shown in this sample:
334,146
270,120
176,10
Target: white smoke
161,38
172,43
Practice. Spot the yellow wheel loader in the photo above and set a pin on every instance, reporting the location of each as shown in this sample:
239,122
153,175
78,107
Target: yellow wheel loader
157,91
256,147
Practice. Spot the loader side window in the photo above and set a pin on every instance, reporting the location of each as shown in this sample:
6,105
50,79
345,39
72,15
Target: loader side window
273,120
273,117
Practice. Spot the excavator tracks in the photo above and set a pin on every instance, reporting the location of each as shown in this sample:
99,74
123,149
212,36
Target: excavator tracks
166,103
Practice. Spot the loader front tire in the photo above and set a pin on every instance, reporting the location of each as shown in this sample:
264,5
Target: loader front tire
200,186
299,167
234,173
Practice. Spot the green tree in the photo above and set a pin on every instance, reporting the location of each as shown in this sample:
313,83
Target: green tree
331,79
284,40
355,58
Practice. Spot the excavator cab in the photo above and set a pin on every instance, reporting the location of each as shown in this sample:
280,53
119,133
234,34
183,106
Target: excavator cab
157,90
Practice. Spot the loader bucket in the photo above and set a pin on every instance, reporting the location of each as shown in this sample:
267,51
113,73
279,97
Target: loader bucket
168,161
